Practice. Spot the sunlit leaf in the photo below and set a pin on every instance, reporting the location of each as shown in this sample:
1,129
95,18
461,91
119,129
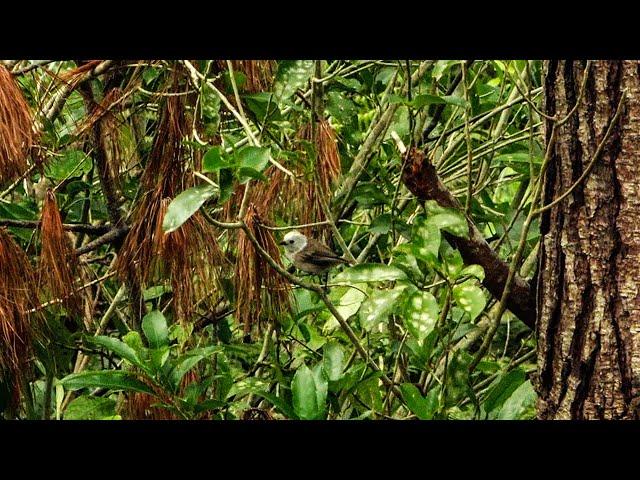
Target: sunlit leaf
185,205
470,298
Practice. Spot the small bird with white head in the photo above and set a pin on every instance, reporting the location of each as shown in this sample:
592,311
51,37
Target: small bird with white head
309,255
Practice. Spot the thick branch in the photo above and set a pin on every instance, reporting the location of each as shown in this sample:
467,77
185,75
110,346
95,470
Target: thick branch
116,233
421,179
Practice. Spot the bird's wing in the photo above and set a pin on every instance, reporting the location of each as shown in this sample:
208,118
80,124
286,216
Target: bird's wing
319,253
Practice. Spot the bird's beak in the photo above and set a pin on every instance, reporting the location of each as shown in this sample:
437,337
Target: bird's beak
282,243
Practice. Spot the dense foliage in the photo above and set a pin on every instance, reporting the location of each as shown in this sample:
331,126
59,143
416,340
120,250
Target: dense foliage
153,194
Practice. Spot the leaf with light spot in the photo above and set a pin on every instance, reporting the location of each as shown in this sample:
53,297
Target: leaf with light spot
470,298
370,272
473,271
185,205
421,314
447,219
379,306
425,240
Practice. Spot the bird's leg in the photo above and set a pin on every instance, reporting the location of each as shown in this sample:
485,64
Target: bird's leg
325,275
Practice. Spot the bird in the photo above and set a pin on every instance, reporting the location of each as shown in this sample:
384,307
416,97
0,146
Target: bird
309,255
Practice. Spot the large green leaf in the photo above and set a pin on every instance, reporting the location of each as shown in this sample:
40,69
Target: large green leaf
185,205
503,388
213,160
470,298
422,407
256,158
425,240
379,306
110,379
370,272
154,326
421,310
333,360
309,389
349,303
118,347
72,163
292,74
519,406
340,107
189,360
91,408
447,219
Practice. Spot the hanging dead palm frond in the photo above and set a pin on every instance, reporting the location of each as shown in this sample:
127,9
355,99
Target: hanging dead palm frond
17,136
59,265
259,74
18,295
190,255
261,292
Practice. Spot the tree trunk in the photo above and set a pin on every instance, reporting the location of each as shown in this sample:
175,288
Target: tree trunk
588,291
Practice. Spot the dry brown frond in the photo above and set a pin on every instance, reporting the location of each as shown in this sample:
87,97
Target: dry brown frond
105,113
59,265
18,295
317,178
259,74
17,136
252,273
189,255
75,73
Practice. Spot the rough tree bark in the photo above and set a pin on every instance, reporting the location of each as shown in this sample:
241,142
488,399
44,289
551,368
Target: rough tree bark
588,326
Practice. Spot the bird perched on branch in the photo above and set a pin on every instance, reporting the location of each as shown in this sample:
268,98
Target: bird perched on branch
309,255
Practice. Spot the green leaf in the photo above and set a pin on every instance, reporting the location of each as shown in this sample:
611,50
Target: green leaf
520,405
154,292
110,379
73,163
503,388
134,340
189,360
453,100
381,224
213,161
256,158
454,263
422,407
425,241
379,306
519,162
247,173
473,271
159,356
322,388
340,107
348,304
258,104
154,326
278,402
90,408
333,360
292,74
118,347
309,390
185,205
421,314
470,298
370,272
452,222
